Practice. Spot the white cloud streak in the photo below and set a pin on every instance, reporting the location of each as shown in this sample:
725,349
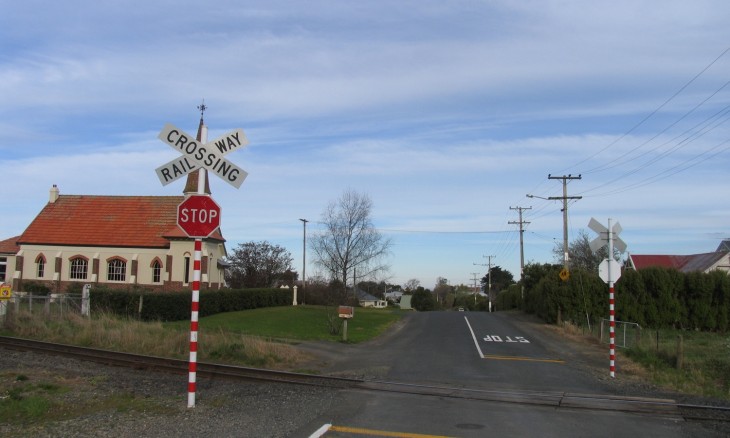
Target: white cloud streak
446,114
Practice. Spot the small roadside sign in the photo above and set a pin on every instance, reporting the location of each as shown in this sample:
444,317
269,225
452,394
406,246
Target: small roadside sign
346,312
6,291
564,274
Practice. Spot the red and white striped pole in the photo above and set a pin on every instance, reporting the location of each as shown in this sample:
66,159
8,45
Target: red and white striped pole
193,363
611,307
612,330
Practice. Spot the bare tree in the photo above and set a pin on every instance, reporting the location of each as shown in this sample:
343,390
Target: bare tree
411,285
350,243
580,253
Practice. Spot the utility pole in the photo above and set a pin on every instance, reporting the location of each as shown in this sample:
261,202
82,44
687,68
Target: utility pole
522,244
565,199
304,262
489,278
474,278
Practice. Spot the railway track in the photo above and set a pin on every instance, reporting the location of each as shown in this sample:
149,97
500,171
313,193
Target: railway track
557,399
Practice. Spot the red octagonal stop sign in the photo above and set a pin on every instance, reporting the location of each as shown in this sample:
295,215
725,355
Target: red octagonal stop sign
198,216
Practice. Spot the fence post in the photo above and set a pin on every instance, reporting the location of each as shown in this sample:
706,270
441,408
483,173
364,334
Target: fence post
560,318
680,352
601,329
86,300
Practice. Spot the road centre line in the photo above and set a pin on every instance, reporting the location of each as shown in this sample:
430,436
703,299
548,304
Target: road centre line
369,432
476,343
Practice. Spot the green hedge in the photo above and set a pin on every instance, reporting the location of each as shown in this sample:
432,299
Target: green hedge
176,306
652,297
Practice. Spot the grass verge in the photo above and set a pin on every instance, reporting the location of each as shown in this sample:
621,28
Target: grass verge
699,364
655,356
260,337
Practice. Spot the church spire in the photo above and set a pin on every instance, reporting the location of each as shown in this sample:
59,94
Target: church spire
191,185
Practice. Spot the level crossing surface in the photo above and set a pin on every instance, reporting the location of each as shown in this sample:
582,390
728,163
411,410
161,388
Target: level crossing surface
534,384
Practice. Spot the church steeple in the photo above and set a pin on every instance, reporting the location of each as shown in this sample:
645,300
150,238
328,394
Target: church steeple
191,185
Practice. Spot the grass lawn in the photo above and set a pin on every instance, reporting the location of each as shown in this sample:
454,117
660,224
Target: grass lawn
299,323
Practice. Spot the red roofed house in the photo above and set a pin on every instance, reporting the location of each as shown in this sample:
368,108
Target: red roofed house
8,249
112,241
711,261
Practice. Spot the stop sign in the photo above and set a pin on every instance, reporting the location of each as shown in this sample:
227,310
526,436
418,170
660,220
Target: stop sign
198,216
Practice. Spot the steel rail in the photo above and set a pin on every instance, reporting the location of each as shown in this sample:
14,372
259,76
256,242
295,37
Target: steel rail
558,399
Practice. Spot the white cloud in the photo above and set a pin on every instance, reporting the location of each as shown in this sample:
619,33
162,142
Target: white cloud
446,114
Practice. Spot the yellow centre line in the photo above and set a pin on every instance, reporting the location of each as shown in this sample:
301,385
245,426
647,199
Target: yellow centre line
371,432
520,358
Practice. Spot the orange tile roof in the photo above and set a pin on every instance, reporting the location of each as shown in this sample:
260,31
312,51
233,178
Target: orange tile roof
9,246
115,221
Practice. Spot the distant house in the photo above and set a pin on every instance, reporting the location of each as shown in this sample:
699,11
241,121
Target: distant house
8,250
706,262
393,296
367,300
115,241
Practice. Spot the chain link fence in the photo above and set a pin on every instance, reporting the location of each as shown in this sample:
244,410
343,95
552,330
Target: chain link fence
52,304
626,334
47,304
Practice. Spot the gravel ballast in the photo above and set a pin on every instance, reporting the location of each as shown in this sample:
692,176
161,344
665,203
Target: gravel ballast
105,401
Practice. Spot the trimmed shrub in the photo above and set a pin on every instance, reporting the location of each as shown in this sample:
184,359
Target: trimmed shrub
176,306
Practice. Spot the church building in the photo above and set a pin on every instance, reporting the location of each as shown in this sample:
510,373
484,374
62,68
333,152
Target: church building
112,241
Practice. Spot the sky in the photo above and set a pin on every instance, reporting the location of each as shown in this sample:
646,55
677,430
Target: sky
445,113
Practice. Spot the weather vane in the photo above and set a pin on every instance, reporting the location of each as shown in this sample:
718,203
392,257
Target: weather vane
202,107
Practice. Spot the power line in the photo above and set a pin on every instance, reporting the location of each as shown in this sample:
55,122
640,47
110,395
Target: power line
636,126
609,166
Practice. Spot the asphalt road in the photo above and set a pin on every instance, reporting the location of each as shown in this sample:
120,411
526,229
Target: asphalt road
500,353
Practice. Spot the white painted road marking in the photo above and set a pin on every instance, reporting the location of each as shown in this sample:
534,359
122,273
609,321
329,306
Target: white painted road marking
476,343
508,339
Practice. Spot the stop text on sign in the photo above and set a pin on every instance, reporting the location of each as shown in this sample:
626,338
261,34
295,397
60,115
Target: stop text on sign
200,216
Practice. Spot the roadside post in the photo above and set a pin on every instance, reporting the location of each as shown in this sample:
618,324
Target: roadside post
610,271
345,312
86,300
199,215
